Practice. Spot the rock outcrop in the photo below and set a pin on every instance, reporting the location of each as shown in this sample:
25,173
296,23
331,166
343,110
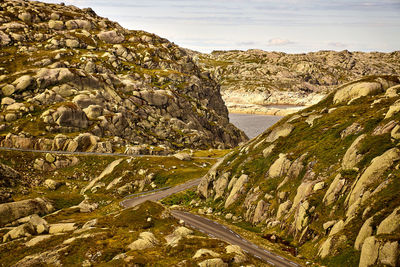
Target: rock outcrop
78,73
15,210
253,79
331,187
146,240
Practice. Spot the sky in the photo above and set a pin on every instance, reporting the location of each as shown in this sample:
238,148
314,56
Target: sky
291,26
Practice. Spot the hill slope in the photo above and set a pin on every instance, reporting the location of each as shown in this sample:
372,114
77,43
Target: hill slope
324,181
71,80
270,78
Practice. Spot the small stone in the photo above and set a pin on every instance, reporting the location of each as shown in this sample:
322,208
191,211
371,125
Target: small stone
319,186
7,101
183,156
10,117
50,157
51,184
8,89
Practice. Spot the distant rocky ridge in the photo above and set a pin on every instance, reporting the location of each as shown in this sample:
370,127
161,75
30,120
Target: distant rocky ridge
254,78
71,80
325,178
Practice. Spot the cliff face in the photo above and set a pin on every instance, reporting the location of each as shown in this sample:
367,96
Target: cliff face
263,78
71,80
326,178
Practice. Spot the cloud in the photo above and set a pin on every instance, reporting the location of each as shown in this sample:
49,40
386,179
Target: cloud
250,43
337,44
279,42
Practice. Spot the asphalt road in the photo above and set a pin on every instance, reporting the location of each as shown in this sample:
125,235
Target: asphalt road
210,227
156,196
93,153
202,224
214,229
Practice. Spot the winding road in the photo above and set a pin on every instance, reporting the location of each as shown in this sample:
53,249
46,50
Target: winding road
158,195
210,227
93,153
202,224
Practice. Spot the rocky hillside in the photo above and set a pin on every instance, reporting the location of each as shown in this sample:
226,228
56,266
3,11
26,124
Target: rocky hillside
71,80
269,78
323,182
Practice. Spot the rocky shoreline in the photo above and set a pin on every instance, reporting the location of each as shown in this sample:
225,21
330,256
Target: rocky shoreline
261,110
276,103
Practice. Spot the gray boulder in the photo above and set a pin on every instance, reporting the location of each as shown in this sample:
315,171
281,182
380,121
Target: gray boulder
369,252
56,25
217,262
70,117
12,211
78,24
23,82
146,240
4,39
391,224
111,37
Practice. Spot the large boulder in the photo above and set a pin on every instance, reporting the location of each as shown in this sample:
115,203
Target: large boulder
267,151
217,262
334,190
373,173
70,117
23,82
12,211
62,228
156,98
283,209
220,185
325,248
37,239
389,253
56,25
365,232
391,224
259,211
86,141
357,90
78,24
204,252
280,167
111,37
85,206
183,156
39,225
240,256
18,232
4,39
52,184
179,233
146,240
393,109
47,77
352,156
281,131
369,252
237,189
93,111
8,178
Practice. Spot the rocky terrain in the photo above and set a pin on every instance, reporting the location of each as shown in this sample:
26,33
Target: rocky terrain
70,216
324,182
252,79
71,80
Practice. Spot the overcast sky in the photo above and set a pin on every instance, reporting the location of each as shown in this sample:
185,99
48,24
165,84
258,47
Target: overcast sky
292,26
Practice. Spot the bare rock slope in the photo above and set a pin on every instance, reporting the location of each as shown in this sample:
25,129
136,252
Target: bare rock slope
71,80
268,78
